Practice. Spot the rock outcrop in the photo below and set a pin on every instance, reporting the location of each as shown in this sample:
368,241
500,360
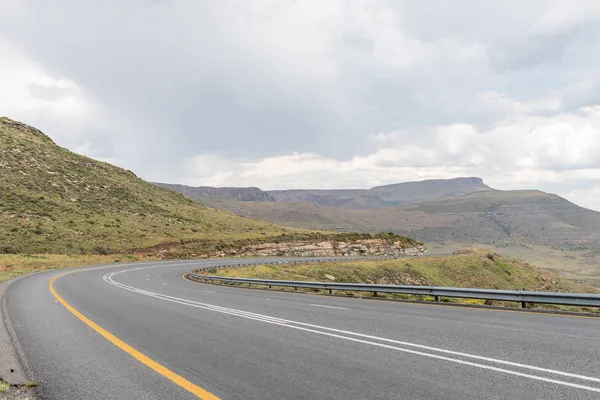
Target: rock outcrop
370,247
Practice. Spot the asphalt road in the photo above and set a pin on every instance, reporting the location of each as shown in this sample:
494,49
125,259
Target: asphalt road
252,344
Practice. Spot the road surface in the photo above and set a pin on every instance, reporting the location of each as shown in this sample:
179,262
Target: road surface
140,331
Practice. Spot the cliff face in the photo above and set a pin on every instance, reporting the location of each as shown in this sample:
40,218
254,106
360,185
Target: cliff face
207,193
372,247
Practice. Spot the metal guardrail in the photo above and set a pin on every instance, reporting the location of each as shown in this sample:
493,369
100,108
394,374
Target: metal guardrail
523,297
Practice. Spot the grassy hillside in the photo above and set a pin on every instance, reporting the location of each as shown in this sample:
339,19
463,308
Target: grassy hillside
56,201
576,265
519,216
301,215
473,268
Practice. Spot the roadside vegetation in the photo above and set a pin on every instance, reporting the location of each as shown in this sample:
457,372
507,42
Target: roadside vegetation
14,265
471,268
17,392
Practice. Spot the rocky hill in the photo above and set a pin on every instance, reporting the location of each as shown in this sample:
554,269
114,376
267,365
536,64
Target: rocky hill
56,201
208,194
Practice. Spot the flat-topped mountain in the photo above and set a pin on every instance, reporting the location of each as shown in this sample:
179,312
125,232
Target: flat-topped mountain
377,197
408,192
462,210
383,196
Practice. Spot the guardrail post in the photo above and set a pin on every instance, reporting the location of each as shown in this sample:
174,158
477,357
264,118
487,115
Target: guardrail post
437,299
329,291
269,286
374,294
296,288
523,304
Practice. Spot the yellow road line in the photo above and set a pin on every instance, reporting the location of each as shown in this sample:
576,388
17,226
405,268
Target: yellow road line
147,361
508,310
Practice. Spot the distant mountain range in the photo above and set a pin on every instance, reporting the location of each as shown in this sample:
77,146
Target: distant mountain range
490,216
461,211
383,196
358,199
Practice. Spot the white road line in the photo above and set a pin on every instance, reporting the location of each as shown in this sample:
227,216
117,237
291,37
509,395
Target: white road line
340,335
208,291
320,305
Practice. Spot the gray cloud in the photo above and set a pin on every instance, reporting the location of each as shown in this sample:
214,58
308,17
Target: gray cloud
49,92
155,85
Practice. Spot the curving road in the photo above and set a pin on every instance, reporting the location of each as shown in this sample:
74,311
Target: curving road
140,331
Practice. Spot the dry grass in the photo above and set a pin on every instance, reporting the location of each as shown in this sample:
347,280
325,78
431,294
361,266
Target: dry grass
579,266
14,265
480,269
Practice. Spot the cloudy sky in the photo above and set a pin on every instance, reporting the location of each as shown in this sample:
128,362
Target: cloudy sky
315,94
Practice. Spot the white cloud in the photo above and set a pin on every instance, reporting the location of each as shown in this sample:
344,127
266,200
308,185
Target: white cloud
588,198
32,94
27,90
566,15
529,152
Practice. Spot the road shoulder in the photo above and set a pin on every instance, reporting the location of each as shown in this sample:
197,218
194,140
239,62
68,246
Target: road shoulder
12,363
